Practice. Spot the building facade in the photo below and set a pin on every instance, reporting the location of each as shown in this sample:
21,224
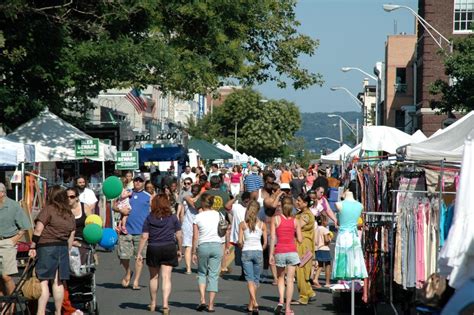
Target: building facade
368,98
453,19
399,104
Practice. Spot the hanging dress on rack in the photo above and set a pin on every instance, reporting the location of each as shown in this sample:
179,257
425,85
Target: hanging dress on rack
349,260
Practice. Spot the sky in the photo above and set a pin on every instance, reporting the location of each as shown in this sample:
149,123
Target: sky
351,33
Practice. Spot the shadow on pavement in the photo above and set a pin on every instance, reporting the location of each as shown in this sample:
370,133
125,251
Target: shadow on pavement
136,306
191,306
270,298
110,285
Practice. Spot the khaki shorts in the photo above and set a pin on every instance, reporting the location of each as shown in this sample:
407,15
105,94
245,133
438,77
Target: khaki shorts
128,246
8,265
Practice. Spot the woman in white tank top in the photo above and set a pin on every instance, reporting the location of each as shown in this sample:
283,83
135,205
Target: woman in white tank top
251,231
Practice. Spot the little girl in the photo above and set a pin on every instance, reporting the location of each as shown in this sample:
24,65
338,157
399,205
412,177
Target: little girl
323,254
124,203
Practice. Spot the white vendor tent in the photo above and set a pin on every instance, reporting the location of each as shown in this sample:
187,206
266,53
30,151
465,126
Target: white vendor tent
12,153
336,156
456,258
446,144
54,138
384,138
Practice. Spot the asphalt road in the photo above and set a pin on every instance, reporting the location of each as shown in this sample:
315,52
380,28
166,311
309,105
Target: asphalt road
231,299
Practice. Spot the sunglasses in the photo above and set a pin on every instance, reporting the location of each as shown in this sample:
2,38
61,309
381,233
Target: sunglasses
187,183
72,196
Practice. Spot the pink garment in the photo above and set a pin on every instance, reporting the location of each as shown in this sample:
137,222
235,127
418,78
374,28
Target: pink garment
420,246
285,234
124,200
235,178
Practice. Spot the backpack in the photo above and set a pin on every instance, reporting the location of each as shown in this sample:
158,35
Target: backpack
223,225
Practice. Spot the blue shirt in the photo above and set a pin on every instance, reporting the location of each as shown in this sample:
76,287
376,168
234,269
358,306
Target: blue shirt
161,230
253,182
140,203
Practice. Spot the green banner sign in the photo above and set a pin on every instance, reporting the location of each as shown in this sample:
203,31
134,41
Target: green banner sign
87,147
127,160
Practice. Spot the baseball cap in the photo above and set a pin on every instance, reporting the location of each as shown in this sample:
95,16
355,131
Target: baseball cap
284,186
139,178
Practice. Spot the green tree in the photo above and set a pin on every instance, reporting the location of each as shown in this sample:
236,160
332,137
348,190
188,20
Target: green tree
263,128
459,95
63,55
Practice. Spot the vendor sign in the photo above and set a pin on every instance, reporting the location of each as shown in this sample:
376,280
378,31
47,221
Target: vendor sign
127,160
87,147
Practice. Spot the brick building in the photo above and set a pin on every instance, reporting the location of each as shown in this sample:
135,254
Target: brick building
452,18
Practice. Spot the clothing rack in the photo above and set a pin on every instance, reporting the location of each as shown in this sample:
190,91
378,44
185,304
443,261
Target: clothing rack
425,192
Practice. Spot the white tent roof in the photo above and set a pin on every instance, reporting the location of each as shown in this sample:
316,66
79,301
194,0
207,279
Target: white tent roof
355,152
336,156
418,136
446,144
18,152
54,138
384,138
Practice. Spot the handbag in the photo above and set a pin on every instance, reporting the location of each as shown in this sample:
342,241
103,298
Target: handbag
305,258
436,291
223,225
31,288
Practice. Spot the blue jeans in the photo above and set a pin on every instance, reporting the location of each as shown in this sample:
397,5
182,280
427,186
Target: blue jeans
252,261
209,265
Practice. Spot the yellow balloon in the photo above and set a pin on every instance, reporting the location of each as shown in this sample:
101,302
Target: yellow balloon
359,221
94,219
331,234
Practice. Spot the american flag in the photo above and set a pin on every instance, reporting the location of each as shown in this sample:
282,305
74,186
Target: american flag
134,97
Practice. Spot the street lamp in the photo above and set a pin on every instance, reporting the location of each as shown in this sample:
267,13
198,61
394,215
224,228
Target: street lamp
377,92
327,138
358,101
427,26
347,69
342,120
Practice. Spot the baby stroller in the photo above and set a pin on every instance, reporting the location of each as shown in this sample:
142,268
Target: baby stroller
16,300
81,285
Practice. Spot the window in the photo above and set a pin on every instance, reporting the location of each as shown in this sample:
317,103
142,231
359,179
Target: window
400,120
463,15
401,80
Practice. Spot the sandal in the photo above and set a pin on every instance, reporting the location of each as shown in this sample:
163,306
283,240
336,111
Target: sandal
201,307
278,309
166,311
151,307
289,312
209,310
298,302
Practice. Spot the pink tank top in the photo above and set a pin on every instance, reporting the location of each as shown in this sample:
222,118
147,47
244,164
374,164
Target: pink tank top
285,233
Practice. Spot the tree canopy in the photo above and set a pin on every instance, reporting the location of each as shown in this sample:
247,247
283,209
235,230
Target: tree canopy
263,126
63,54
459,95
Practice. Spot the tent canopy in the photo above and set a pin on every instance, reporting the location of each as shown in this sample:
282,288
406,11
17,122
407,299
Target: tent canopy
54,139
208,151
384,138
336,156
446,144
18,153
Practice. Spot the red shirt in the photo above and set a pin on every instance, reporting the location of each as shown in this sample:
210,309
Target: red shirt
285,233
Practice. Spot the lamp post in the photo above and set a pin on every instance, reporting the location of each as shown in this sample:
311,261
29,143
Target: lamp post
260,101
354,98
330,139
427,26
342,120
377,92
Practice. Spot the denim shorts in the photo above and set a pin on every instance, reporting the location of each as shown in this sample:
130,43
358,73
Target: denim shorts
287,259
52,259
252,261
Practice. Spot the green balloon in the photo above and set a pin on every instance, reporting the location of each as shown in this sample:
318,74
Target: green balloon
92,233
112,187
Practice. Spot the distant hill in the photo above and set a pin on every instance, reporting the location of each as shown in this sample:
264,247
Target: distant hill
320,125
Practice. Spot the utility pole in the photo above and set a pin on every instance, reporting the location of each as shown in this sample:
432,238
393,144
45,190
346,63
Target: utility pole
357,131
341,140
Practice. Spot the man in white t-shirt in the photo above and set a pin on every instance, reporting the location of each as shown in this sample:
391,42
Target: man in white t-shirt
86,195
238,215
187,174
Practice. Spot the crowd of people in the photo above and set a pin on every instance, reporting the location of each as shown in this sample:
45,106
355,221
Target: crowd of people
275,220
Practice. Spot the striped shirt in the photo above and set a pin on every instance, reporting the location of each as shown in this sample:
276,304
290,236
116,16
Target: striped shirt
253,182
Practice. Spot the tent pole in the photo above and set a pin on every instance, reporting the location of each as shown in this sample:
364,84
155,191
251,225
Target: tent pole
23,181
104,201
